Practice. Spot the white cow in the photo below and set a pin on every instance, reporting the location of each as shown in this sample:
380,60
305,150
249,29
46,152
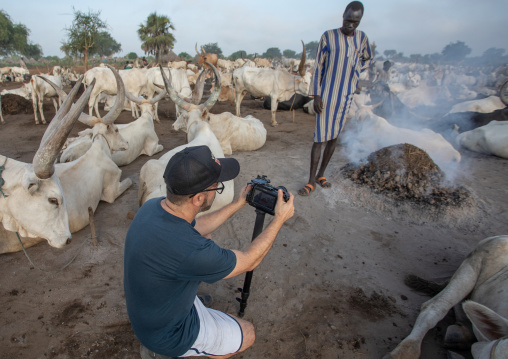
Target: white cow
135,81
94,176
491,139
139,134
486,105
234,133
40,90
151,183
179,82
483,278
370,133
278,84
32,201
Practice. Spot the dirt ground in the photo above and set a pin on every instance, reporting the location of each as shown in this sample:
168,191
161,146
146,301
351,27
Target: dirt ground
331,287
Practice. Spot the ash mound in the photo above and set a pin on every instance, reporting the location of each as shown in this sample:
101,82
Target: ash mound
405,172
14,105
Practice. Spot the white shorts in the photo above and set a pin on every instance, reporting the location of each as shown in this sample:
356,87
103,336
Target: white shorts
219,333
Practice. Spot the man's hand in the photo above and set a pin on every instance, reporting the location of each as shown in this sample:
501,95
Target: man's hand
318,104
242,198
284,210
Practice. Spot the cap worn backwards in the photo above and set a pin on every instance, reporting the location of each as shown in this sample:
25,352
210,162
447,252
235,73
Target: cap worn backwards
194,169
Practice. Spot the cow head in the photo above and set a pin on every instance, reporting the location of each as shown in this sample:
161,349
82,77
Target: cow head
35,206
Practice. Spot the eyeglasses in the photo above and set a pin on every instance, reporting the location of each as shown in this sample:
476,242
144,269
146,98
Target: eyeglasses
218,189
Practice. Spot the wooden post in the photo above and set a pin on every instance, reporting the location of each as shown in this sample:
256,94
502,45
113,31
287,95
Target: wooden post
92,227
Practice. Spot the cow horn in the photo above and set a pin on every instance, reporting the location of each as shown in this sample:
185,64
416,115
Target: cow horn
197,94
214,96
196,47
172,93
301,67
62,111
203,51
119,101
44,159
61,93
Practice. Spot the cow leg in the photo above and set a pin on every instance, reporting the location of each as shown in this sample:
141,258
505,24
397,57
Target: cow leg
274,110
157,112
113,188
434,310
239,97
55,104
96,106
34,105
41,103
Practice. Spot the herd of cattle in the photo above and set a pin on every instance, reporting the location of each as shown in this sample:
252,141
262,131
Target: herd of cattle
60,186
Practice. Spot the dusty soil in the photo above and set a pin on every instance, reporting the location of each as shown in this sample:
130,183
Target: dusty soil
331,287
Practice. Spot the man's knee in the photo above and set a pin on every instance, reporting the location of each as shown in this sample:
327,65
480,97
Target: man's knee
249,334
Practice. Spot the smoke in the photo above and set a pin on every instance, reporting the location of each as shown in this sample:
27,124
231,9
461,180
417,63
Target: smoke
366,133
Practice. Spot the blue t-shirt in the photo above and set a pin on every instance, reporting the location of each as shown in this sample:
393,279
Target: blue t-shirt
165,260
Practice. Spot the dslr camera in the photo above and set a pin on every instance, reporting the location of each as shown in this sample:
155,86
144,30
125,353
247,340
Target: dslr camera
263,195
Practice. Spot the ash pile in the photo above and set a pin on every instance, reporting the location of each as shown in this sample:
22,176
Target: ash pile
14,104
405,172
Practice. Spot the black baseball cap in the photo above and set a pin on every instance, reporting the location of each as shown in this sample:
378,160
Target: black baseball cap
194,169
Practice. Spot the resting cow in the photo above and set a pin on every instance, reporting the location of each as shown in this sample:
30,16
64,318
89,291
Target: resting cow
151,183
491,139
483,278
32,200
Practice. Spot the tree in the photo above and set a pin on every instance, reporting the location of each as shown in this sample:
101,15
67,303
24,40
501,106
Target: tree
272,53
156,36
185,56
82,34
33,50
290,54
14,38
213,48
132,56
238,55
390,53
311,49
105,45
455,51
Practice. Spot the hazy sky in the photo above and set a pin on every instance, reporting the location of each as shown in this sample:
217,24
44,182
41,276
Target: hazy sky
408,26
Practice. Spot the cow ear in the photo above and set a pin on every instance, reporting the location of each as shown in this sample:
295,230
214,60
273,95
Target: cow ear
490,324
31,183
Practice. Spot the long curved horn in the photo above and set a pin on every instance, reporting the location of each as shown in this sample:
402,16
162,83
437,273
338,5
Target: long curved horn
203,51
44,159
196,47
172,93
301,67
159,97
119,101
131,97
61,93
62,111
197,94
214,96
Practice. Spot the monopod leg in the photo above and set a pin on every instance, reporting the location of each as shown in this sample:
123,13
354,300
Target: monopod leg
258,228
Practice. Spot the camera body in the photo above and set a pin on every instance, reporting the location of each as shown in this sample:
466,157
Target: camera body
263,195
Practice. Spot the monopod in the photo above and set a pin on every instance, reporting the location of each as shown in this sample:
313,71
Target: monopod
258,228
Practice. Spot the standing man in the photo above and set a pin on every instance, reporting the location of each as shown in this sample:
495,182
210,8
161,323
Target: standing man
167,256
342,55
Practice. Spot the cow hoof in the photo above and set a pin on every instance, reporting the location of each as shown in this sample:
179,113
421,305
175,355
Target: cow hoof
275,124
458,336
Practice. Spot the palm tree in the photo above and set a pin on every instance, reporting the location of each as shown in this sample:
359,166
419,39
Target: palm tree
155,35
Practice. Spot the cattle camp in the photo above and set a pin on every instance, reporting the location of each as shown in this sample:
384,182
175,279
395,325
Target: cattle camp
404,256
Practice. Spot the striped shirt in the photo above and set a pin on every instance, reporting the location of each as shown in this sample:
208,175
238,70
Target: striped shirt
339,61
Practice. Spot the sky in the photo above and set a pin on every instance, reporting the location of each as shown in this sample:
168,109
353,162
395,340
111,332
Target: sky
407,26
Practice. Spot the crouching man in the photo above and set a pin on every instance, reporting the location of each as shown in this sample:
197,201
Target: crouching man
168,254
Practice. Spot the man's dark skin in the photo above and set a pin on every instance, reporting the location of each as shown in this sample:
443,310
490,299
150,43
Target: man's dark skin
351,20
